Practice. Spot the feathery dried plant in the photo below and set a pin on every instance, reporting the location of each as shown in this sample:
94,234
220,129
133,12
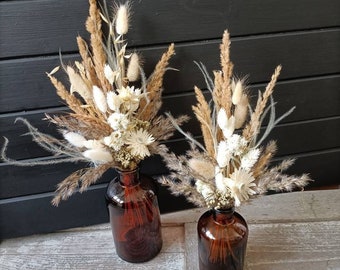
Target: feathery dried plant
114,119
231,166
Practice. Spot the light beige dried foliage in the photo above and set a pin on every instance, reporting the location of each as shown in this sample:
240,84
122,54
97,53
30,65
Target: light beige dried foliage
101,127
203,114
223,96
242,167
253,127
150,106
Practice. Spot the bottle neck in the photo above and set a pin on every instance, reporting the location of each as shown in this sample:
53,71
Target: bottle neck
129,178
224,216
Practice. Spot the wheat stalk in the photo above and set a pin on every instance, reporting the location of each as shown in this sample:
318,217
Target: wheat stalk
93,26
87,61
252,128
223,93
150,106
203,114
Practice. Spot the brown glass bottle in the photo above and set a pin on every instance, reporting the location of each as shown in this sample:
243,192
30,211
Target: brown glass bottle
222,240
134,216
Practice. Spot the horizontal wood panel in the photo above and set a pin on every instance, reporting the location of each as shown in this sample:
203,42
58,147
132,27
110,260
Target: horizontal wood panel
324,134
295,138
20,181
323,167
21,143
34,214
42,26
302,94
24,84
305,55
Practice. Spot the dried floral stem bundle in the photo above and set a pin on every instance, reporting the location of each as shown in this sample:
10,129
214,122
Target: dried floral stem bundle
114,120
231,166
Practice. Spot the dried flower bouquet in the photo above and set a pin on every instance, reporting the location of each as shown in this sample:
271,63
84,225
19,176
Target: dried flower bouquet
231,166
114,120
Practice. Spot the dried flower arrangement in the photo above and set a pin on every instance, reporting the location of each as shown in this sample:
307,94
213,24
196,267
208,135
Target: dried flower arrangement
231,166
114,120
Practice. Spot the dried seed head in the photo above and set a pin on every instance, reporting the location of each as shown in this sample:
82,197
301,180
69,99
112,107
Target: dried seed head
133,68
99,99
110,75
98,155
122,19
77,84
241,111
237,93
74,138
202,167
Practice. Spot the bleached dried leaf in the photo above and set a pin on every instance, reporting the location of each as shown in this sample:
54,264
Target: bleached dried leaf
53,71
78,85
99,99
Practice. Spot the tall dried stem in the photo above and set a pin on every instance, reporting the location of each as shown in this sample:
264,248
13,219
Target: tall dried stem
252,128
203,114
150,106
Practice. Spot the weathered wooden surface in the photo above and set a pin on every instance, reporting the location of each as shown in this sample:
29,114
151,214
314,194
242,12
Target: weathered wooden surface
303,36
287,231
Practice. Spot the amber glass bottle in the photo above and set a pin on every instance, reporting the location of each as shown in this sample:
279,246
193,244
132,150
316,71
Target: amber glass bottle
222,240
134,216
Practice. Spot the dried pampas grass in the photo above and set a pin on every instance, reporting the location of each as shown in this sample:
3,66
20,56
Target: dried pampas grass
231,166
106,109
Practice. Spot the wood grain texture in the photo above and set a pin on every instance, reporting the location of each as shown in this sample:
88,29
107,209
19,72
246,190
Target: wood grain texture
23,181
32,214
296,230
56,23
303,36
58,251
313,53
22,147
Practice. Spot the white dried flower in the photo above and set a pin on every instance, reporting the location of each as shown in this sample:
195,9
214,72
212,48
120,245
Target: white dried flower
77,84
249,159
240,184
93,144
133,68
204,189
237,93
202,167
130,97
122,19
236,144
113,101
220,181
227,125
74,139
138,142
118,121
99,155
114,141
99,99
223,154
110,75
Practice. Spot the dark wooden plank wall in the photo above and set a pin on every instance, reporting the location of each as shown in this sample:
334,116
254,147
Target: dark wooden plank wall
302,35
